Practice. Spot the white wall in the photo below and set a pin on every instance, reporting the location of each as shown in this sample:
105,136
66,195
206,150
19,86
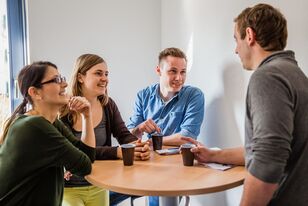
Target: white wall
129,35
204,29
125,33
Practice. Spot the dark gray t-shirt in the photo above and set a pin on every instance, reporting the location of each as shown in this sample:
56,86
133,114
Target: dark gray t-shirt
100,137
277,127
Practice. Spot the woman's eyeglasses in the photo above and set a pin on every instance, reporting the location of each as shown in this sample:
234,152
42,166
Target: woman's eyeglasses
58,79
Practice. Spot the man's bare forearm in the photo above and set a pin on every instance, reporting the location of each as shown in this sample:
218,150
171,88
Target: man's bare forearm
233,156
173,140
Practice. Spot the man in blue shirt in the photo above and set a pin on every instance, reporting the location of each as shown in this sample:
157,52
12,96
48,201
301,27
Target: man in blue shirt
169,107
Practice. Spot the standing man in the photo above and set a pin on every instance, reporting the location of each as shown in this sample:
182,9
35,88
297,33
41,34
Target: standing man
169,107
276,111
276,141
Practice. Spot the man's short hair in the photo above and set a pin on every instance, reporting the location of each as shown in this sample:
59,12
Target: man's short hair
172,51
269,25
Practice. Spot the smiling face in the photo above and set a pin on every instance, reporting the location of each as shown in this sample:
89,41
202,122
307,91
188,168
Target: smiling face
53,92
172,72
94,82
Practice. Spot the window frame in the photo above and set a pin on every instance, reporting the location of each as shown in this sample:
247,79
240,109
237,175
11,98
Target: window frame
18,46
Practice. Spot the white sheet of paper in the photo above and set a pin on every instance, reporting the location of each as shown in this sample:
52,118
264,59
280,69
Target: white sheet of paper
217,166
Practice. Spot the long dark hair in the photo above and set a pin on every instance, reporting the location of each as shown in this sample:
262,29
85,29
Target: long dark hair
29,76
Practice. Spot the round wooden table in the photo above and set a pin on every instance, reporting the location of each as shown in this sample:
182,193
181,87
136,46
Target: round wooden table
163,176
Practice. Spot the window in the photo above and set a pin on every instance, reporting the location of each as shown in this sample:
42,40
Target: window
13,53
4,64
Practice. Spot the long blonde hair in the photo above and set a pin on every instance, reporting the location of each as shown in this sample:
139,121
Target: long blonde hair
83,63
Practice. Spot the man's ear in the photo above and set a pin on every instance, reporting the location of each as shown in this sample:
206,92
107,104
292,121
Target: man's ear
250,36
158,70
34,93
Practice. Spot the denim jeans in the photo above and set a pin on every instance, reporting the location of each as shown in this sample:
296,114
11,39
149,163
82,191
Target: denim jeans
153,201
116,198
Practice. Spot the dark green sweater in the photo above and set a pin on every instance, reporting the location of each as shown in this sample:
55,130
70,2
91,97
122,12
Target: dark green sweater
32,158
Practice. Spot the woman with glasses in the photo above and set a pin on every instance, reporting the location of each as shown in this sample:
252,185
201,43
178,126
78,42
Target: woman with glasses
90,80
36,146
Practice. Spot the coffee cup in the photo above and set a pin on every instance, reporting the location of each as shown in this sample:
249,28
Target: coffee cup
157,140
187,155
128,151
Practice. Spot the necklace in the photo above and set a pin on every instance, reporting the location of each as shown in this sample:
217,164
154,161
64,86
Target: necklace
33,112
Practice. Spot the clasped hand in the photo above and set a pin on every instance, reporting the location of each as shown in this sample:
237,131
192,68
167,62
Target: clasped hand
142,150
80,105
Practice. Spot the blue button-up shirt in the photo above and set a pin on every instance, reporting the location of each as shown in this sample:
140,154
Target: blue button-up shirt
182,114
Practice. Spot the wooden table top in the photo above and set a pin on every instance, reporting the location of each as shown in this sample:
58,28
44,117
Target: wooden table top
163,176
